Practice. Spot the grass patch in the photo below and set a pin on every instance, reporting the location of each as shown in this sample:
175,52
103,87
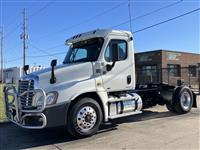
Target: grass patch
2,112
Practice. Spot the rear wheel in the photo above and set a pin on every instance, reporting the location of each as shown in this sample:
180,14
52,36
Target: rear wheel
84,118
170,107
182,101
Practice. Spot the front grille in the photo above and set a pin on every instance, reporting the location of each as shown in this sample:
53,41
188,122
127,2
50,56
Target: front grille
27,99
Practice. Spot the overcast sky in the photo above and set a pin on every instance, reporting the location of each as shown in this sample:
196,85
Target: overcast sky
50,23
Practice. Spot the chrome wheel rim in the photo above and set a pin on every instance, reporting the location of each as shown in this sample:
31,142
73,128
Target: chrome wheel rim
185,100
86,118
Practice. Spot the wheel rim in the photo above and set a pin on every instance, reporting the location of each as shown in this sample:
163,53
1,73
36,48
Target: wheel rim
185,100
86,118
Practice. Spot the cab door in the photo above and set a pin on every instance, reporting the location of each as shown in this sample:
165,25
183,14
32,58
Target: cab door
120,76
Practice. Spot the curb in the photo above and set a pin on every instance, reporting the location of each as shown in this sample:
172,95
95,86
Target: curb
4,122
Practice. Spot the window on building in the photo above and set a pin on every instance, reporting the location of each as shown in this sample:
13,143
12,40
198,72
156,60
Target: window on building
149,70
147,74
174,70
122,48
192,70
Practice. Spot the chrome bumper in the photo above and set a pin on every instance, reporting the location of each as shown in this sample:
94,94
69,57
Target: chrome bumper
31,118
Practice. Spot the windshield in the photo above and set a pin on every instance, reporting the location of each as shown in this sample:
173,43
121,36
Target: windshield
84,51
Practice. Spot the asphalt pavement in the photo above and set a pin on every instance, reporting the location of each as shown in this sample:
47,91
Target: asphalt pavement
156,128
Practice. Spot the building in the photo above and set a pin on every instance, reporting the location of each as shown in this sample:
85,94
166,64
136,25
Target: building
165,66
13,74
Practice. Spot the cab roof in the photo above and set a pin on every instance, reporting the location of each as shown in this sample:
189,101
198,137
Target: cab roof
96,33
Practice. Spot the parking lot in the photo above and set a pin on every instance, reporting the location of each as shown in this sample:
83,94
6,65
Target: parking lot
156,128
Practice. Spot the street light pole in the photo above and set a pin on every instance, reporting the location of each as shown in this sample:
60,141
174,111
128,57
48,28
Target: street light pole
24,37
2,55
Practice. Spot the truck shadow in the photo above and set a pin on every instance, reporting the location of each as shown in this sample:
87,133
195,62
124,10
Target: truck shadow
13,137
146,115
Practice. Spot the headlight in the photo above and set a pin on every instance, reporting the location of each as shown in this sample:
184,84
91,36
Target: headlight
51,98
38,99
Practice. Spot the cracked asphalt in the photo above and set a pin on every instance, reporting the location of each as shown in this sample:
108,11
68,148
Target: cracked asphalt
156,128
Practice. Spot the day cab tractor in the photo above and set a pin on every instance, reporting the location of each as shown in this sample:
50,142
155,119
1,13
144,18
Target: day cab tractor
94,85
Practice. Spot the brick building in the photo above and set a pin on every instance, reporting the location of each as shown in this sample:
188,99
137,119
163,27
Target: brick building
167,67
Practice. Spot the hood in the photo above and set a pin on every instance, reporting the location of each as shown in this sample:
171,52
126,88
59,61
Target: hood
65,74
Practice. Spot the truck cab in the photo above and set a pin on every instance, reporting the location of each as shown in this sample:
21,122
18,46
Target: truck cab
94,84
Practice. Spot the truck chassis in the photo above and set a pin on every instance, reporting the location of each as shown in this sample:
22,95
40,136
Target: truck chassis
151,95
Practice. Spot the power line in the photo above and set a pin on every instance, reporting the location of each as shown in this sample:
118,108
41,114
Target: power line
182,15
24,36
48,54
94,17
162,22
85,21
11,22
12,31
29,17
137,31
45,51
13,60
40,50
34,56
90,19
56,46
41,9
147,14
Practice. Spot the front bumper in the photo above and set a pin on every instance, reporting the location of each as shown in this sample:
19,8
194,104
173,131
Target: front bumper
35,118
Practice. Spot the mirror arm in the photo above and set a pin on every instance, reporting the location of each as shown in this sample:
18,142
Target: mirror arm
53,78
109,67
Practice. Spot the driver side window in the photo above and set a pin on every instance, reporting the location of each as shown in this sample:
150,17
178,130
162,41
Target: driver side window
122,50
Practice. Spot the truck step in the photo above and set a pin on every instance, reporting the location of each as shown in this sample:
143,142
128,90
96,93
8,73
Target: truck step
125,114
111,100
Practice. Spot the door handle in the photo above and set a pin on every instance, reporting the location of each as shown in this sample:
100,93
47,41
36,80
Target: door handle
128,79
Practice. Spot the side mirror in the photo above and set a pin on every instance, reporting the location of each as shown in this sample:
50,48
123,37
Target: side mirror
26,68
114,52
53,62
115,56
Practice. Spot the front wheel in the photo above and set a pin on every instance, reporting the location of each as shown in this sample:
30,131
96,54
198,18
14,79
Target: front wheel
84,118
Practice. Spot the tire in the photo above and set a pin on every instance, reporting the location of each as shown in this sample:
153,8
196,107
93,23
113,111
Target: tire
182,100
170,108
85,118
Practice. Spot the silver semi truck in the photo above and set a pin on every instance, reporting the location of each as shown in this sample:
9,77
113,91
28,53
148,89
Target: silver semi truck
95,84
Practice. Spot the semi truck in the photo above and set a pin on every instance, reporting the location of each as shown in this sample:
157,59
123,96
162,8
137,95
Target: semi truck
95,84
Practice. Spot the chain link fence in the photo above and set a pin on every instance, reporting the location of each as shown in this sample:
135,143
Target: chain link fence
189,75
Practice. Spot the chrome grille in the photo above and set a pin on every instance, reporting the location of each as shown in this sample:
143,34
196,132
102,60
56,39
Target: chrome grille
26,100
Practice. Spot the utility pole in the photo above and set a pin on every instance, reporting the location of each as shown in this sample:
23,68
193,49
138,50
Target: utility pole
2,55
24,37
129,10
